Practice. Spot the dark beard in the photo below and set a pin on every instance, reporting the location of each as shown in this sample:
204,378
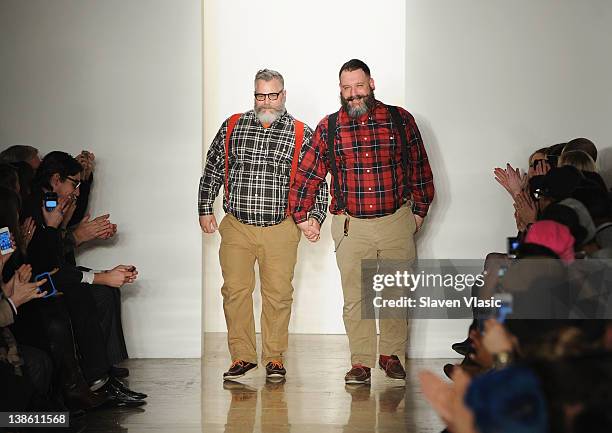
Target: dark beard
368,100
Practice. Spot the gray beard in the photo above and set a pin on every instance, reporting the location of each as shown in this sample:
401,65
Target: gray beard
269,117
354,112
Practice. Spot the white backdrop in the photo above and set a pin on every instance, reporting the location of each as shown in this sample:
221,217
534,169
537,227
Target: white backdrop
122,79
488,81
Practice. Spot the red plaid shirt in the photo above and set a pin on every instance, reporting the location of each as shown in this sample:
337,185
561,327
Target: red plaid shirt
369,160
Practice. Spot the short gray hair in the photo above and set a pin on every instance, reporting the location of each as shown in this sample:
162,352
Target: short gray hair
269,74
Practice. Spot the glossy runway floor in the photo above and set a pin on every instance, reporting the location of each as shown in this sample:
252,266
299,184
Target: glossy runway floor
189,395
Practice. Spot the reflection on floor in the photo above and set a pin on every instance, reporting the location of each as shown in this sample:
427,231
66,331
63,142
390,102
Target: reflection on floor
190,396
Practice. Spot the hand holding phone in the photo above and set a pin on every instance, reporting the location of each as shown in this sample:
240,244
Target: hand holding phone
46,285
55,216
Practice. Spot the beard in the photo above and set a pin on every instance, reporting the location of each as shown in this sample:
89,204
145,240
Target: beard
268,115
366,104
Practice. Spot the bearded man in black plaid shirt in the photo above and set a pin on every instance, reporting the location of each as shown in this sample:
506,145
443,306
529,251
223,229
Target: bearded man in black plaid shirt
254,155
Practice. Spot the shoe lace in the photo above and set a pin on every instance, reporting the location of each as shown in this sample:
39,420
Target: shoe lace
276,364
236,362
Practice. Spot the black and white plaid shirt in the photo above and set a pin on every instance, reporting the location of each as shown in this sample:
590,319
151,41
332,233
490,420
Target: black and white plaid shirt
259,170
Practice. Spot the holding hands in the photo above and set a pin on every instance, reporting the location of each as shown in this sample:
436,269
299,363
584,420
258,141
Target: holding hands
311,229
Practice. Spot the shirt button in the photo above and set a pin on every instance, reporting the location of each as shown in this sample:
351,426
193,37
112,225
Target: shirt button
391,138
366,138
363,123
369,189
367,171
367,154
370,206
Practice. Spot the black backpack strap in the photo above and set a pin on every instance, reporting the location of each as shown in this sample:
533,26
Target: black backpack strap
332,120
401,127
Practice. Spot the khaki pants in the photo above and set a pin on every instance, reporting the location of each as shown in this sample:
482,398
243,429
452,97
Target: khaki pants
388,237
275,250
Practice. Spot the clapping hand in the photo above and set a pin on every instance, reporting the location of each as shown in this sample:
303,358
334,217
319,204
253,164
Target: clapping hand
98,228
86,159
525,208
510,178
20,290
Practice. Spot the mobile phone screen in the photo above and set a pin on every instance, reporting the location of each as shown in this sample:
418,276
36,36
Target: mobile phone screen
5,241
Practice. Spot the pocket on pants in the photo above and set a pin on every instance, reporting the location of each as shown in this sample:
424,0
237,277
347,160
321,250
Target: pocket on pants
337,230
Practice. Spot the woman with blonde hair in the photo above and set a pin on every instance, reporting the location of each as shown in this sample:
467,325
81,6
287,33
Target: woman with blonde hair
579,159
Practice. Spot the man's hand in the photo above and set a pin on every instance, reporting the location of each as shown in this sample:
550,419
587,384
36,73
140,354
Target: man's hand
86,159
98,228
56,216
419,222
311,229
208,223
118,276
69,211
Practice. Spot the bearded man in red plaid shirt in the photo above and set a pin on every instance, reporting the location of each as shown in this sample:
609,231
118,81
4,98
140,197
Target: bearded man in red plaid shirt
380,196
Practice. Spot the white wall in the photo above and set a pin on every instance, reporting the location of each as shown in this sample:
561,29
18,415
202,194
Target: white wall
122,79
488,82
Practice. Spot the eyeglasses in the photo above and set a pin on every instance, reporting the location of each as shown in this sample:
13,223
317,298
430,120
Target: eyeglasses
75,183
536,162
271,96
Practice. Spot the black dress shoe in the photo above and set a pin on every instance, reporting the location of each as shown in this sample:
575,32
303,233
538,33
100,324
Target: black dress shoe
463,347
120,387
121,402
238,369
119,372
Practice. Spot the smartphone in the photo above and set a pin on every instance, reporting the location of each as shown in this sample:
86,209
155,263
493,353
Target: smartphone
48,287
50,201
6,246
513,246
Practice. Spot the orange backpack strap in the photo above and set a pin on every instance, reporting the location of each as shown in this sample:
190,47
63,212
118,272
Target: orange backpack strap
299,138
230,127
